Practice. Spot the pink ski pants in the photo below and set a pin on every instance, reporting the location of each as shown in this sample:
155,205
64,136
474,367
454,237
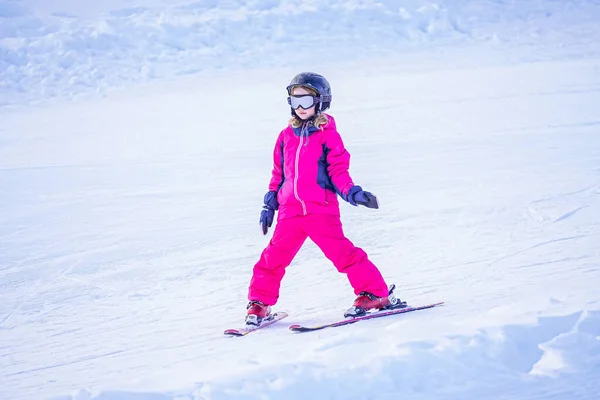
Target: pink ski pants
326,231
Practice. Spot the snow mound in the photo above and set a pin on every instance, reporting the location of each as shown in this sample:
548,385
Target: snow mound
537,361
63,50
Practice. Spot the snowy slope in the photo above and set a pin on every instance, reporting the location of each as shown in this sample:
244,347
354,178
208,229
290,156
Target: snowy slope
128,221
65,47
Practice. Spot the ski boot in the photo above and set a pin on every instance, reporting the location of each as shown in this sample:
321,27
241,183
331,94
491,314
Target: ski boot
257,312
368,302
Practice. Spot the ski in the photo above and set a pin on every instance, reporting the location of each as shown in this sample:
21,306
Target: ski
379,314
278,316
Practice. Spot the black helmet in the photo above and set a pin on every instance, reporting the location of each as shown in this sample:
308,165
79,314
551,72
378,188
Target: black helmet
315,82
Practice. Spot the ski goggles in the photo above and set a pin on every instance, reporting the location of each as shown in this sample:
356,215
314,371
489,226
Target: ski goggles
305,101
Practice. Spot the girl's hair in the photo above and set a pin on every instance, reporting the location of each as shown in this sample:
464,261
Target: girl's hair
319,121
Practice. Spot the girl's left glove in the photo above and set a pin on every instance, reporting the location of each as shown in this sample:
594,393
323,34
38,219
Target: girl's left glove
267,215
356,196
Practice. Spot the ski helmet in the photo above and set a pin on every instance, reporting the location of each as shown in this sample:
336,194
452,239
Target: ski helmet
316,82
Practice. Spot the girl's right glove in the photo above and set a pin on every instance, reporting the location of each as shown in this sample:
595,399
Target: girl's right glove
356,196
267,215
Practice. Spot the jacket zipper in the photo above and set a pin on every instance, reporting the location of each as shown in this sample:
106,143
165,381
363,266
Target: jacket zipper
296,176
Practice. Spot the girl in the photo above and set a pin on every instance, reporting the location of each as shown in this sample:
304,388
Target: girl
310,168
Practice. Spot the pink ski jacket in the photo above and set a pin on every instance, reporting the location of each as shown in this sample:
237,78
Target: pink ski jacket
310,168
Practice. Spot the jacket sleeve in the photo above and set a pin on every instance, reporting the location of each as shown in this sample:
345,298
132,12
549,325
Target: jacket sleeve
277,175
338,160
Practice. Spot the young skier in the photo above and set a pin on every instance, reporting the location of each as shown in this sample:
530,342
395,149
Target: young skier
310,170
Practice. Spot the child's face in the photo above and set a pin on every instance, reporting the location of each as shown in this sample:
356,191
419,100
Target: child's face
301,112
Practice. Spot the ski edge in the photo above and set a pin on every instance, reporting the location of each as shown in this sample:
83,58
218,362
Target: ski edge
236,332
302,328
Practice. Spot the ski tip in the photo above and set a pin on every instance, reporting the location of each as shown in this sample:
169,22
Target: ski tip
440,303
280,314
251,328
300,328
232,332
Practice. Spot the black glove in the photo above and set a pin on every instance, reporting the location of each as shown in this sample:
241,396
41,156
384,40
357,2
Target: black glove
267,215
266,219
357,196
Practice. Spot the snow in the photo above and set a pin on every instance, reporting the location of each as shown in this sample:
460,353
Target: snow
135,150
60,48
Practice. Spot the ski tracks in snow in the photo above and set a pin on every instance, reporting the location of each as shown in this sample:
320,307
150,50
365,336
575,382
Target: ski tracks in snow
559,207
